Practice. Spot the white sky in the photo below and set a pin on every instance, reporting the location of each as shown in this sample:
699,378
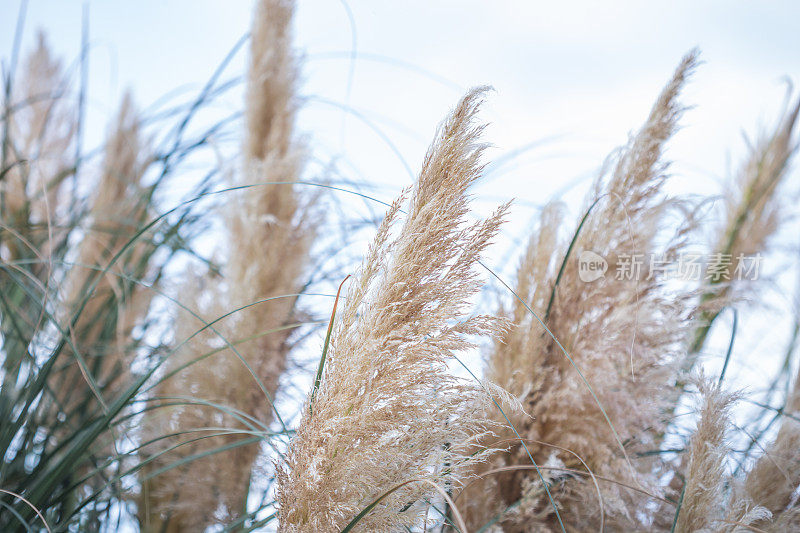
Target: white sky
581,74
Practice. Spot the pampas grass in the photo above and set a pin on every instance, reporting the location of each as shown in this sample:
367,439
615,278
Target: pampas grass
754,211
387,416
116,210
270,227
774,478
36,144
149,381
78,272
594,383
701,501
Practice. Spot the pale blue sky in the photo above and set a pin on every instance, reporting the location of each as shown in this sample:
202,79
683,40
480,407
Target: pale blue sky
583,72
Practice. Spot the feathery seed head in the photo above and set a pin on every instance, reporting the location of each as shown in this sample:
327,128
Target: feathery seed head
387,411
619,333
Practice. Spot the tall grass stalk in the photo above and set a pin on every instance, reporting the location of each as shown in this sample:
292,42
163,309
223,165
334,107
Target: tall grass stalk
620,332
387,410
269,232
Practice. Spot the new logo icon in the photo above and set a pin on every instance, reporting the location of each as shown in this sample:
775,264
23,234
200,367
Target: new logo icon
591,266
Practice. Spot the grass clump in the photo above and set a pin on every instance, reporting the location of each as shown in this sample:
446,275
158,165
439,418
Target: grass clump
152,380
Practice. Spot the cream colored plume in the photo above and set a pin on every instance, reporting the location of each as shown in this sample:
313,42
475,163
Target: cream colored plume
621,332
270,227
703,495
754,210
37,157
774,480
117,210
388,418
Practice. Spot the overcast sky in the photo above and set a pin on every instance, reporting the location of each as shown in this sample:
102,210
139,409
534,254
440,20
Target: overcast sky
574,78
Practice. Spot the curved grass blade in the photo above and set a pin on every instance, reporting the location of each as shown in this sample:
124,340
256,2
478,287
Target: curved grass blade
321,368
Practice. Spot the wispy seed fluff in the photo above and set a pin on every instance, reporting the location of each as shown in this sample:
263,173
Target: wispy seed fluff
621,334
753,213
270,227
387,410
703,495
118,208
37,157
774,480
